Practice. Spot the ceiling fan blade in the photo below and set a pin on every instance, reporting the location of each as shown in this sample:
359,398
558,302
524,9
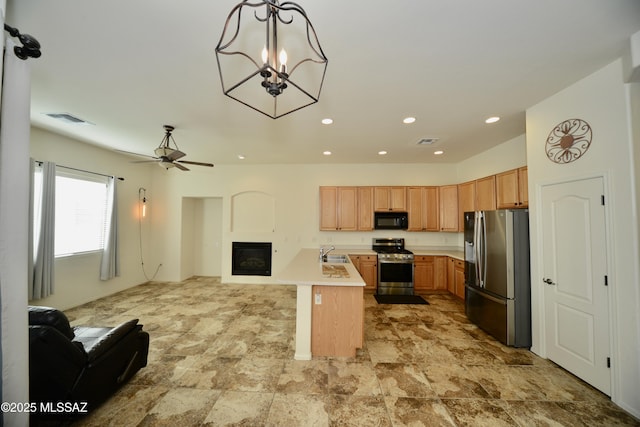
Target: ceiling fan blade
136,154
177,154
196,163
179,166
169,153
146,161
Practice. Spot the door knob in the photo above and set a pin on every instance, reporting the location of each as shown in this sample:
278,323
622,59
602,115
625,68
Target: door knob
547,281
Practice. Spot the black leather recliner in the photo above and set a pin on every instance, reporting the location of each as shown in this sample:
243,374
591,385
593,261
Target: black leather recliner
81,364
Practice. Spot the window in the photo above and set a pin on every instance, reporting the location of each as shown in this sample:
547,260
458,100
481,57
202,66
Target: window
81,210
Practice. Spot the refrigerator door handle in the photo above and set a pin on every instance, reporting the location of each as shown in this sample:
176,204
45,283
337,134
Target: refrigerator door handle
481,251
483,232
476,246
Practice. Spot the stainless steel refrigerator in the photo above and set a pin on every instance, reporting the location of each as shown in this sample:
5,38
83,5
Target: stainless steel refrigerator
497,274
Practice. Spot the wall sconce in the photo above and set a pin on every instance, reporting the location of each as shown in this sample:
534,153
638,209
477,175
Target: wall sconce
142,198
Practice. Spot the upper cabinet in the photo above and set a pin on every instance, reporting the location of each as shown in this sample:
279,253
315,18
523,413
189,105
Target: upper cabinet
466,201
365,208
338,207
511,189
523,185
486,193
346,208
429,208
387,199
449,208
423,209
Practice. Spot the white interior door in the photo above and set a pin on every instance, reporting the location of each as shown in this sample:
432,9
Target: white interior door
575,291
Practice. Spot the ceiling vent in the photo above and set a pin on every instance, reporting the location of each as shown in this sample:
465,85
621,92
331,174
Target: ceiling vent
427,141
68,118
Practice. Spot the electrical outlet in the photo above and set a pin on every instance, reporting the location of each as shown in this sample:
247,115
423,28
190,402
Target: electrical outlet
318,299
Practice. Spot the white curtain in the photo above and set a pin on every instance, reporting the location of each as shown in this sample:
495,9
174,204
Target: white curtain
42,230
110,265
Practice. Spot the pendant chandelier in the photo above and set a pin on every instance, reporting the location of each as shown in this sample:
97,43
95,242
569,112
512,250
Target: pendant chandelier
272,61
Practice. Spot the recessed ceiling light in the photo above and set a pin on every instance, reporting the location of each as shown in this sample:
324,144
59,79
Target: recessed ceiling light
437,153
408,120
326,153
492,119
382,152
327,121
241,157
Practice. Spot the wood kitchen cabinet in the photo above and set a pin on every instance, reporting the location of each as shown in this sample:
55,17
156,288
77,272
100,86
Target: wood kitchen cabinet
523,185
346,208
423,273
448,196
390,199
511,189
466,201
440,272
429,273
338,207
367,266
337,320
365,208
451,278
458,277
486,194
423,208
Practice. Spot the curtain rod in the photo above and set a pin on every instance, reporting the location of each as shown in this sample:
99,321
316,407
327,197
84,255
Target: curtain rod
86,171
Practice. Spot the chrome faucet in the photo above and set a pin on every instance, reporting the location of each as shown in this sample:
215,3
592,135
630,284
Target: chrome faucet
323,254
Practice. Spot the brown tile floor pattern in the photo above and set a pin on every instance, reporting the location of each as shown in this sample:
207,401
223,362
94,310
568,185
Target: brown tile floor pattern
222,355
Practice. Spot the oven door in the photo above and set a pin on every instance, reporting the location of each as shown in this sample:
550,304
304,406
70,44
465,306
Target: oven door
395,277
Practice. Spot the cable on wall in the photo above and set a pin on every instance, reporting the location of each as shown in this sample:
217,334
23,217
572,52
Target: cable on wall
142,212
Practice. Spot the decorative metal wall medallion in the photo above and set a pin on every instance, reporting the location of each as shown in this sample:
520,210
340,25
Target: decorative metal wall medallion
568,141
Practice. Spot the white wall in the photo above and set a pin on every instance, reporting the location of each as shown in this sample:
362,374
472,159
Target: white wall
14,190
77,278
208,241
294,188
295,191
188,223
511,154
604,101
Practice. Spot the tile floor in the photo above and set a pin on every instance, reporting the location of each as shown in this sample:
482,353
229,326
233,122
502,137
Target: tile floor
223,355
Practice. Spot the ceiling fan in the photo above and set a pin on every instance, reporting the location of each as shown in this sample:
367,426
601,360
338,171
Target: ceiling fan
166,156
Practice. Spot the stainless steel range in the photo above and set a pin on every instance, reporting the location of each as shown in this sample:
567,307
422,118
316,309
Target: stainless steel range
395,266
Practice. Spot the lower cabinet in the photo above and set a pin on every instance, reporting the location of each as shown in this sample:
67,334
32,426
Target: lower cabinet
429,273
337,320
455,276
423,268
367,266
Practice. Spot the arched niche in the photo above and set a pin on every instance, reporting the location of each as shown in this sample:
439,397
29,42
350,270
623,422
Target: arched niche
253,211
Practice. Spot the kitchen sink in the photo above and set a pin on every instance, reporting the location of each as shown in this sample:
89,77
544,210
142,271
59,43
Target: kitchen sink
335,259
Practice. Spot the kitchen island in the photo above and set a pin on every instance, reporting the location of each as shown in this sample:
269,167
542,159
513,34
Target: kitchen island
329,306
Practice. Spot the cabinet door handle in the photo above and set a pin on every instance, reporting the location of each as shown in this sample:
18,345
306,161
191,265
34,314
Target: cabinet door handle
548,281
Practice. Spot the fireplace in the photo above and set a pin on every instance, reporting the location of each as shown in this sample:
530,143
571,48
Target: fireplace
251,259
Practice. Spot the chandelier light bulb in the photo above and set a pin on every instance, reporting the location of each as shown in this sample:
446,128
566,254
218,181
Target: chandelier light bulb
283,61
265,55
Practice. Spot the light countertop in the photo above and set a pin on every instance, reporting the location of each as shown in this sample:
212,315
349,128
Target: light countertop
439,252
306,269
450,252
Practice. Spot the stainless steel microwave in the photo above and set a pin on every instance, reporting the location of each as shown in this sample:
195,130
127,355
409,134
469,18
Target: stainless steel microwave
390,220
